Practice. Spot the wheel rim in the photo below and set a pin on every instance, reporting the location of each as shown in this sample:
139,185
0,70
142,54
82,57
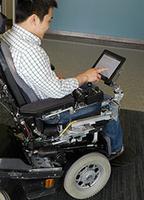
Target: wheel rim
88,176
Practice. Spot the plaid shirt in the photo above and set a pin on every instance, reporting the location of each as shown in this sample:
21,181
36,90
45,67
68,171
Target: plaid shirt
33,65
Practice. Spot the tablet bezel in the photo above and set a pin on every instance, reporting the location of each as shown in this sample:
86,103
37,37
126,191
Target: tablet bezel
115,56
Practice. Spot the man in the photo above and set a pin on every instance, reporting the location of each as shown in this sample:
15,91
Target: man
33,18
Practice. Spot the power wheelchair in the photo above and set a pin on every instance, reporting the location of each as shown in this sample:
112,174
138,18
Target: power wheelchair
75,155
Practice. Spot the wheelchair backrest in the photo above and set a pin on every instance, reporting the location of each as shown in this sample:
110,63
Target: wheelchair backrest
3,20
21,92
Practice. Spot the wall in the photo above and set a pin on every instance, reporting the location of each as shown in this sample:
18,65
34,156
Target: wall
116,18
7,8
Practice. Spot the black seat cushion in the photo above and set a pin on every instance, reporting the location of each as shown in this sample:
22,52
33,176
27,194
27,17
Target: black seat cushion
47,105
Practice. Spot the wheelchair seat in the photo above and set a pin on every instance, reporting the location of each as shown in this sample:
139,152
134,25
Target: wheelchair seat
24,96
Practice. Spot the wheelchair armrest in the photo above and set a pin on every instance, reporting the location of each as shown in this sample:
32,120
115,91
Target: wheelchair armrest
47,105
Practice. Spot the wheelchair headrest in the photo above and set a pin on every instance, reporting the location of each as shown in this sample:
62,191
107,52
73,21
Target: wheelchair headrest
19,89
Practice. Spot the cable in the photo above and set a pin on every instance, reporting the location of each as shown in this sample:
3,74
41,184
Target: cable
67,127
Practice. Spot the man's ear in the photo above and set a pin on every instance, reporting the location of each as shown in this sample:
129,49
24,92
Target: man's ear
34,19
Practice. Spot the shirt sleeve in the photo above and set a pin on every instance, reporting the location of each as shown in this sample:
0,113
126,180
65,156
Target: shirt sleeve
35,70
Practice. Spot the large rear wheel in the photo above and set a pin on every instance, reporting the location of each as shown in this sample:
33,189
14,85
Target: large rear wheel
87,176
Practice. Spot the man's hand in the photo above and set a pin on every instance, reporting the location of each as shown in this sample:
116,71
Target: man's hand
59,75
91,75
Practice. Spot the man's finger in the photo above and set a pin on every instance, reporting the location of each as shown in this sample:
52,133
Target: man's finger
99,76
99,70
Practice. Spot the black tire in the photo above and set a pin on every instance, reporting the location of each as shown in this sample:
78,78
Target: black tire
87,176
4,195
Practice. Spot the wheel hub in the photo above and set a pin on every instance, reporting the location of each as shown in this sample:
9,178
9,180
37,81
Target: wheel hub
87,176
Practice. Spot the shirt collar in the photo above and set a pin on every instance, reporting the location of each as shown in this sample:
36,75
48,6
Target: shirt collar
26,35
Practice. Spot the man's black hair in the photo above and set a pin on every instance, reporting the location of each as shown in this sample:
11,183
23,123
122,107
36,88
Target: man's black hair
25,8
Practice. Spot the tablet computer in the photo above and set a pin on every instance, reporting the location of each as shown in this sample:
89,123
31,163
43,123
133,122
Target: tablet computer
112,62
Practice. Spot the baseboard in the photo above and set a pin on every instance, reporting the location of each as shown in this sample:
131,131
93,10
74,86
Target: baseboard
96,39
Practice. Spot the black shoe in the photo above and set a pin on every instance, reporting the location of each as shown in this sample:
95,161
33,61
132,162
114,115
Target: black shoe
124,159
116,154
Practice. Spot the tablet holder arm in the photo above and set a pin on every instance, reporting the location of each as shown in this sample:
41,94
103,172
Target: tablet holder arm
118,92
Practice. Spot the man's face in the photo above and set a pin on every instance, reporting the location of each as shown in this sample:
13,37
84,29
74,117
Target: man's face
43,26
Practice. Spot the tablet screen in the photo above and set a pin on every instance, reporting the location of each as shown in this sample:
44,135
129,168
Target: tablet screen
112,62
108,62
